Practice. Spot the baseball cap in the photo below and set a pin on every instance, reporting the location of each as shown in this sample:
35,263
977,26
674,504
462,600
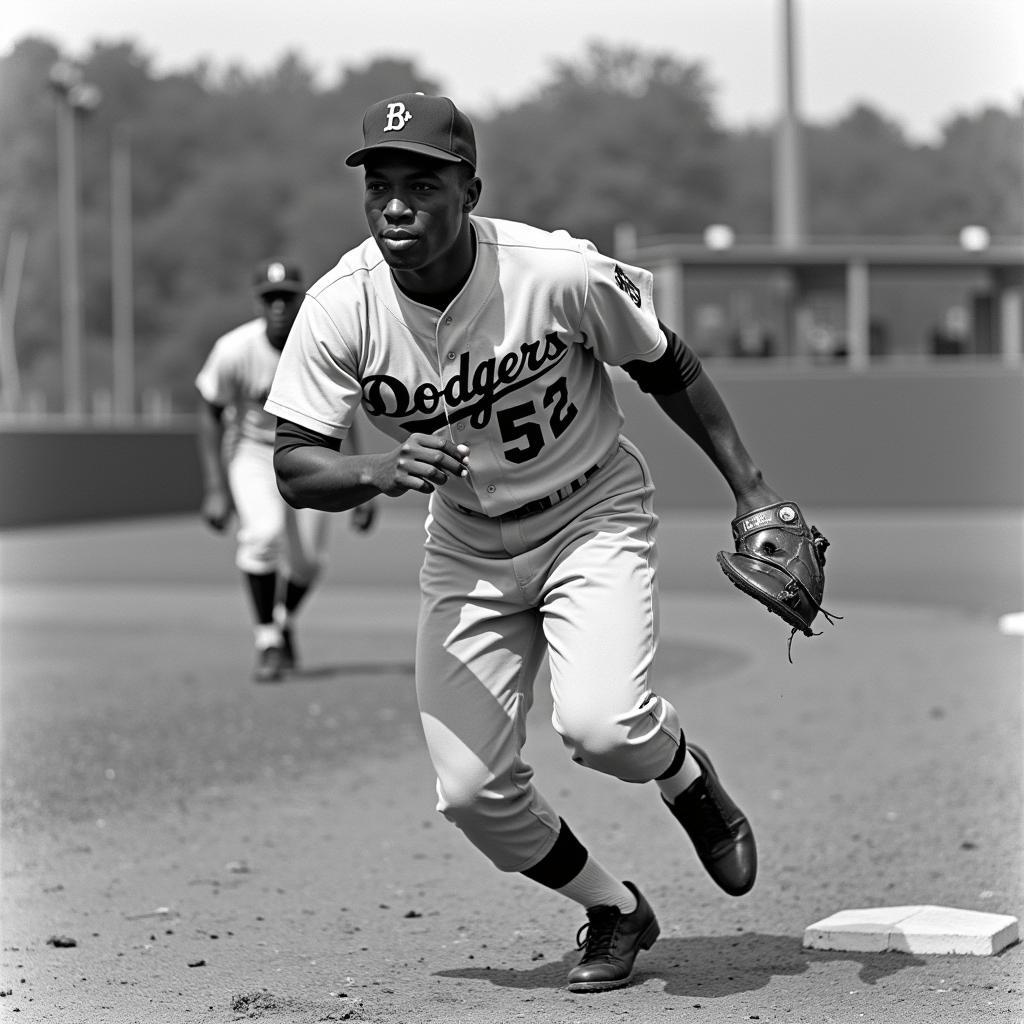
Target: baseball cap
413,121
277,276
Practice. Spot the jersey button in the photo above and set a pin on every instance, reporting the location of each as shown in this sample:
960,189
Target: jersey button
448,319
451,355
491,488
460,426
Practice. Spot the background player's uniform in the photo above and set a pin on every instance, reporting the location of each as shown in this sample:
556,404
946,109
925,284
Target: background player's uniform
271,535
547,546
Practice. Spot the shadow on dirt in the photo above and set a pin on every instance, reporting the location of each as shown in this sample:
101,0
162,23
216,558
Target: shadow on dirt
711,966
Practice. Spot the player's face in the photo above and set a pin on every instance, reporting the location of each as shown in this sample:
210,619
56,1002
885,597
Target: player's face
279,311
418,213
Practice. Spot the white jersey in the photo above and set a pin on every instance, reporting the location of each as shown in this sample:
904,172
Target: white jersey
513,368
237,376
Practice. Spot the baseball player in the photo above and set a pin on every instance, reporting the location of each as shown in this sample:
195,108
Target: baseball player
280,551
480,346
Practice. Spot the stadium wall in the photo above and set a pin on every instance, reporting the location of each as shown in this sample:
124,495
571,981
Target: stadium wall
881,439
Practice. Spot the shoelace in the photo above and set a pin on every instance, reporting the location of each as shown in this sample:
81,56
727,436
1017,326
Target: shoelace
597,936
831,616
789,594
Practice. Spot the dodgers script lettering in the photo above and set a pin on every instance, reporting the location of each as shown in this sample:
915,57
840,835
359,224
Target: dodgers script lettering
472,391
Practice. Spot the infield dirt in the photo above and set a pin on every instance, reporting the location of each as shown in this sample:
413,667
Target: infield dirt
218,851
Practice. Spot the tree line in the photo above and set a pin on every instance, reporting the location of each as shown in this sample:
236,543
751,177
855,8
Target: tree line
230,166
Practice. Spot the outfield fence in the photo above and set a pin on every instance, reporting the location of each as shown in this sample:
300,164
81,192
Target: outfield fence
887,438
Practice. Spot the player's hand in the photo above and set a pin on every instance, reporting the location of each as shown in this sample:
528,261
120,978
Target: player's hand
423,462
363,516
216,509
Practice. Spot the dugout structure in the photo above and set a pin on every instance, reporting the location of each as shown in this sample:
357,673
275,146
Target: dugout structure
856,304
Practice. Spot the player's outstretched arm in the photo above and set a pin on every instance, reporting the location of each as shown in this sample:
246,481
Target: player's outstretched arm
699,410
312,472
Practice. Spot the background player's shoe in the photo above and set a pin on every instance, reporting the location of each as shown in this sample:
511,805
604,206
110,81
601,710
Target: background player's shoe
269,665
612,942
718,829
289,652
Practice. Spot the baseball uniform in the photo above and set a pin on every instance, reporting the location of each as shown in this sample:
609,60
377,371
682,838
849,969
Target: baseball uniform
237,376
482,347
546,547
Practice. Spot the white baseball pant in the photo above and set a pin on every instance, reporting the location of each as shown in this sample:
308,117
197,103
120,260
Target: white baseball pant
272,536
575,582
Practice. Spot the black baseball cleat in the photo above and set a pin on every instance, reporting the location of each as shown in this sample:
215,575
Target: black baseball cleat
610,945
269,665
718,829
289,652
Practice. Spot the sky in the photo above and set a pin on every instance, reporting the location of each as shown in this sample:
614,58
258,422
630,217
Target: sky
920,62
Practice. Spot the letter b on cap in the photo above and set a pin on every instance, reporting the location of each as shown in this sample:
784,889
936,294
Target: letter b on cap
397,117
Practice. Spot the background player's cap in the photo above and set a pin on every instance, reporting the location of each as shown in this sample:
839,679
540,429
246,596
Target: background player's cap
431,125
272,276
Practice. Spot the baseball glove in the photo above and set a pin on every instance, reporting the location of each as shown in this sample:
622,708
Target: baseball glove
780,561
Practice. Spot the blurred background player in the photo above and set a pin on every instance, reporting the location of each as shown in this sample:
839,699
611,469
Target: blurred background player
281,551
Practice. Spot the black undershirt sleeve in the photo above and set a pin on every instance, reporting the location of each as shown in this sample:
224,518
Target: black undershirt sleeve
290,436
673,371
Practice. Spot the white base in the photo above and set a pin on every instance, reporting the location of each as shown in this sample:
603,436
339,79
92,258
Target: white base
1012,624
913,930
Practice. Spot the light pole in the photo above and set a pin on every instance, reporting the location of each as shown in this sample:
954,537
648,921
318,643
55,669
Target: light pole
121,276
75,96
789,212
